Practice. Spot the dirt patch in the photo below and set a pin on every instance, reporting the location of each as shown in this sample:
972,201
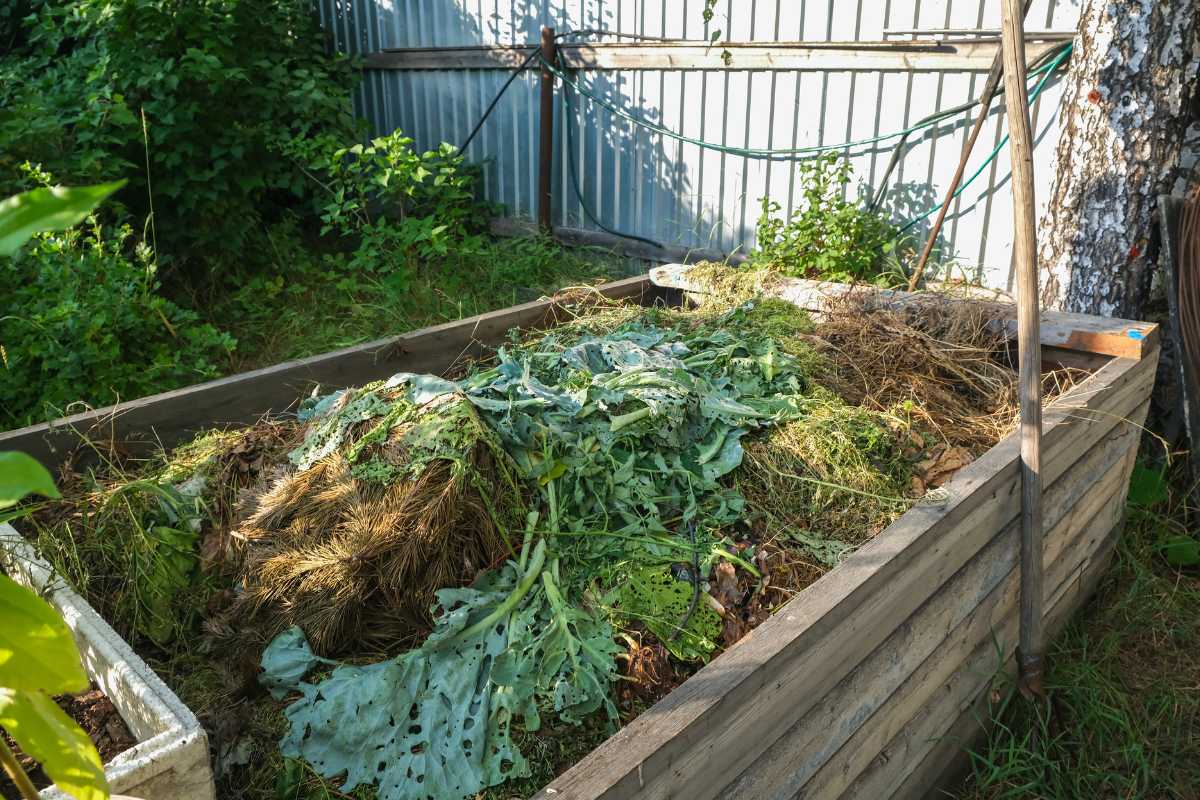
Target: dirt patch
98,717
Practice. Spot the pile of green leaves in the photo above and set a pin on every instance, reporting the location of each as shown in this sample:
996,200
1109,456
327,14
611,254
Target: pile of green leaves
829,235
622,436
436,721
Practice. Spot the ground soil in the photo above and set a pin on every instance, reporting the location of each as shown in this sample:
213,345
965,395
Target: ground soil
96,714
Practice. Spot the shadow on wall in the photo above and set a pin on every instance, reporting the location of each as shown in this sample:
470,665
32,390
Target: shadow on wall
918,201
631,179
626,178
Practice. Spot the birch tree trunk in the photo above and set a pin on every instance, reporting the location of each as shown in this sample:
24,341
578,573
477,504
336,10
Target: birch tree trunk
1127,102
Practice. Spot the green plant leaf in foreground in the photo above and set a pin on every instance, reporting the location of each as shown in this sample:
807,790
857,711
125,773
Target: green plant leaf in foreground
47,209
47,734
21,475
1181,550
1147,487
435,722
427,724
37,650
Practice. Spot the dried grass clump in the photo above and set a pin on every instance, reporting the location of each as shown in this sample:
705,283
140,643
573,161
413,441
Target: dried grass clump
942,363
725,287
355,563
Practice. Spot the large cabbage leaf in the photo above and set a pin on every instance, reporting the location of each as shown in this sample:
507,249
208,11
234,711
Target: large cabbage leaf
436,721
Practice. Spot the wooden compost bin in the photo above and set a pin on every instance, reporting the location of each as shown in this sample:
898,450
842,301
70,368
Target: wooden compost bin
869,682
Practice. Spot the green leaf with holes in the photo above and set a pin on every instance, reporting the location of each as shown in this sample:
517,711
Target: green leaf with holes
663,605
48,735
426,724
37,650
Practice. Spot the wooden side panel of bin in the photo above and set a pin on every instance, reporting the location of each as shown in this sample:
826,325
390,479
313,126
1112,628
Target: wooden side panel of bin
168,418
864,721
846,690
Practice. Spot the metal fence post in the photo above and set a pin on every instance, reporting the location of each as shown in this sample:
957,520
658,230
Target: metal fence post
546,144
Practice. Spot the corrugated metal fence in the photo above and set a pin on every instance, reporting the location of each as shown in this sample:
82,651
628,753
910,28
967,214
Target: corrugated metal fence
677,193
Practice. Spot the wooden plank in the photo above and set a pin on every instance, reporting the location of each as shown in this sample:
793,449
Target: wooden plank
1081,332
945,765
850,711
975,55
1020,141
721,719
172,417
892,768
931,752
992,620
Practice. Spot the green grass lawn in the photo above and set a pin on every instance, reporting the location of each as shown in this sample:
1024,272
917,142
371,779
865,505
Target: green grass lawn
1124,679
308,304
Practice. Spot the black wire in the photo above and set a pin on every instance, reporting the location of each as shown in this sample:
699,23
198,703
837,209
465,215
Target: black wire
525,65
492,107
691,526
587,212
570,139
618,34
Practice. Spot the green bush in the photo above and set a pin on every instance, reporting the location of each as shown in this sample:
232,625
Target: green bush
396,210
85,322
206,90
828,236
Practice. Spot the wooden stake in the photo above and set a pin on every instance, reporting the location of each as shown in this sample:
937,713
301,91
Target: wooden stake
546,121
1032,636
985,104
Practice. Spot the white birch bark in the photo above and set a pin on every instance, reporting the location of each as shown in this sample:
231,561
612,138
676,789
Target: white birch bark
1126,105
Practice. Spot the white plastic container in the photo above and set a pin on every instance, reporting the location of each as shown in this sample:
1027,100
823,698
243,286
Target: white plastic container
170,760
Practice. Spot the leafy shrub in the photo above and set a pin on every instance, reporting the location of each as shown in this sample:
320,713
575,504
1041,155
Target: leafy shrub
207,90
83,321
827,236
400,209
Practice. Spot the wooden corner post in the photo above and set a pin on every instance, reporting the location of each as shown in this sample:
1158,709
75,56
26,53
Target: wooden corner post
1032,636
546,121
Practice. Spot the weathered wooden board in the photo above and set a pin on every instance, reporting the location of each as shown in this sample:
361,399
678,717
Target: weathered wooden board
814,741
1121,338
979,661
171,417
983,630
881,55
943,767
718,723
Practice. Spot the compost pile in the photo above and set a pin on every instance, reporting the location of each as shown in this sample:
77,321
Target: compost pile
432,569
